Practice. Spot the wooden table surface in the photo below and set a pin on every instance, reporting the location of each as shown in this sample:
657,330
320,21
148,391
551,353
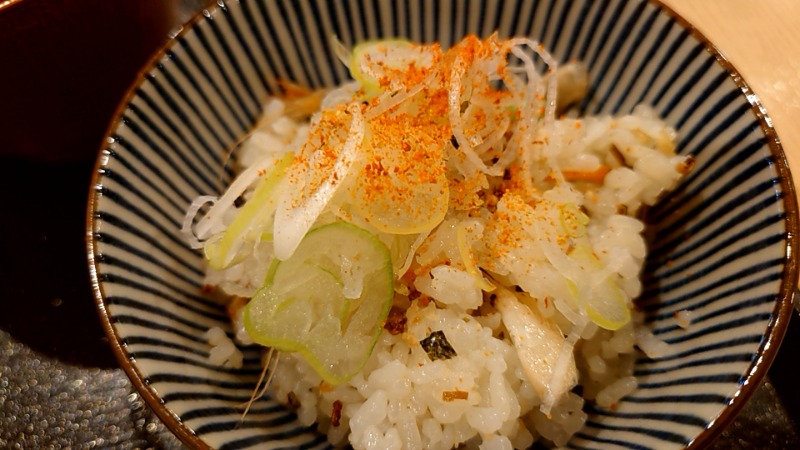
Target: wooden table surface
761,39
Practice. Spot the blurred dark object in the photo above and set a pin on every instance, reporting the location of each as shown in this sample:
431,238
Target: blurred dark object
45,295
66,65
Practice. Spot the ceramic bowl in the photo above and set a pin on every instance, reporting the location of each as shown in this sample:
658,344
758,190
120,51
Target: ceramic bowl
723,241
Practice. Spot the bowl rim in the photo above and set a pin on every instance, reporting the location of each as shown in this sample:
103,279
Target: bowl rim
752,377
784,306
6,5
172,422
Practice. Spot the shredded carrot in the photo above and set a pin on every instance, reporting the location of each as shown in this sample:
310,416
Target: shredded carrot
594,176
449,396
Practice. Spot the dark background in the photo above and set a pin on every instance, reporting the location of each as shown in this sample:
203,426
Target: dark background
60,385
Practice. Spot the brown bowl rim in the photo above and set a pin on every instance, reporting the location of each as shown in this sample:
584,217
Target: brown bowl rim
7,5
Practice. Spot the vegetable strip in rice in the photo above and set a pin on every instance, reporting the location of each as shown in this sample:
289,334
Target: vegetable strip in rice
441,186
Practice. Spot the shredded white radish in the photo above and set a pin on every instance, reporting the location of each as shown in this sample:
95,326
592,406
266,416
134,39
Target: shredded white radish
540,347
339,96
391,99
293,222
560,377
454,114
188,219
212,221
552,82
412,252
340,50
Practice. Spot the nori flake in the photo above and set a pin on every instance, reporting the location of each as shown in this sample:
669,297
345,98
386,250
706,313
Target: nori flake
437,347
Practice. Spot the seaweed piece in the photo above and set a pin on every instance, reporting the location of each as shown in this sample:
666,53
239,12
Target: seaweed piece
437,347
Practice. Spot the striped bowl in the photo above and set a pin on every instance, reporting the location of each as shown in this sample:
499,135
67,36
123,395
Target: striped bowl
723,240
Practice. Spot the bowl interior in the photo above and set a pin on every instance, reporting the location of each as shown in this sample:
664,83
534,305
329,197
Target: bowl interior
720,242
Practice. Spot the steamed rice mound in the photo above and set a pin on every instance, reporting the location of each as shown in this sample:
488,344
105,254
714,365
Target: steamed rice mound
513,231
403,400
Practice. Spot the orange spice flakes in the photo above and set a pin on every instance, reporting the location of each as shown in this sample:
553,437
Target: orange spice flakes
505,230
402,186
412,146
415,74
461,58
400,178
517,224
466,194
317,158
437,103
573,219
410,75
516,180
471,48
477,123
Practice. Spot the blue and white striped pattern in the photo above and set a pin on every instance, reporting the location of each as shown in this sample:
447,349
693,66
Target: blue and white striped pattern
720,245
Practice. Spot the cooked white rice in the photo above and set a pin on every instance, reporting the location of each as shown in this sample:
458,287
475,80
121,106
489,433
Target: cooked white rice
397,402
484,397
